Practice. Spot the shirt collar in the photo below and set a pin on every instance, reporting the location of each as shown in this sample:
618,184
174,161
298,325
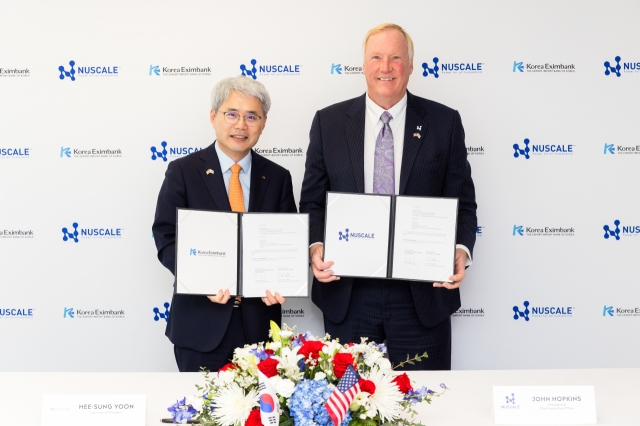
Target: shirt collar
374,111
226,162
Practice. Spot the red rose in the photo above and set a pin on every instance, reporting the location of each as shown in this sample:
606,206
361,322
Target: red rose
254,418
269,351
367,386
340,363
403,383
268,367
229,366
311,348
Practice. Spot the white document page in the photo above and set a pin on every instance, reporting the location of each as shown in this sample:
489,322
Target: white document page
275,248
357,234
425,238
206,252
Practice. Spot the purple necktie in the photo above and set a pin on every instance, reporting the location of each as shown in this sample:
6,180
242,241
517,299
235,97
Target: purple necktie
383,170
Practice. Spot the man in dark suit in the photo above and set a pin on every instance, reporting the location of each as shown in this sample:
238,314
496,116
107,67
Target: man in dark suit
227,176
389,141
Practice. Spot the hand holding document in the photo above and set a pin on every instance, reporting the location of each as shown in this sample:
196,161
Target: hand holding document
247,254
399,237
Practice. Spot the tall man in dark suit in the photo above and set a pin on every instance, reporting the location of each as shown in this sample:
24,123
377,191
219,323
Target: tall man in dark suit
227,176
389,141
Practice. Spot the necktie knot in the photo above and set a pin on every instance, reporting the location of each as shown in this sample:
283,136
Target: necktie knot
386,117
235,169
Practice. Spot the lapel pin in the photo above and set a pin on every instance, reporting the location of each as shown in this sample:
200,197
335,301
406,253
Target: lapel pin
209,172
419,127
263,177
416,135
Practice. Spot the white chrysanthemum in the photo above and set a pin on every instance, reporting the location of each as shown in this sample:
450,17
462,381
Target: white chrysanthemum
285,388
384,364
387,397
233,405
319,376
371,357
224,377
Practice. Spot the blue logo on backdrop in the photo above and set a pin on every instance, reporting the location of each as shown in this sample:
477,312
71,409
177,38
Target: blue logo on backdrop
618,232
89,233
162,315
543,231
68,312
608,310
539,149
518,230
519,151
521,314
265,70
164,154
154,70
193,252
541,311
608,148
608,69
433,71
518,66
337,68
65,152
479,230
14,152
16,313
82,71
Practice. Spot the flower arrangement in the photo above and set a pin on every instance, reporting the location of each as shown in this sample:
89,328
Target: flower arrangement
302,380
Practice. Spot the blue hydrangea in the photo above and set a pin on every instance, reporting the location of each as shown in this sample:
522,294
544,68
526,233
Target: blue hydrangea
306,405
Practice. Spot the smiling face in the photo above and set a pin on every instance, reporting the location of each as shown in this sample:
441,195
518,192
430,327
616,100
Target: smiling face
236,140
387,67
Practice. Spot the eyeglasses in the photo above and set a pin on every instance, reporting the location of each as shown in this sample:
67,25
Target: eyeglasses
232,117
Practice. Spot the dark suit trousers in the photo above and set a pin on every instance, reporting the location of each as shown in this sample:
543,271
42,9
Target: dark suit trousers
190,360
384,309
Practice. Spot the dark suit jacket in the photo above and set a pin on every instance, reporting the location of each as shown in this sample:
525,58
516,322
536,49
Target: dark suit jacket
196,322
435,164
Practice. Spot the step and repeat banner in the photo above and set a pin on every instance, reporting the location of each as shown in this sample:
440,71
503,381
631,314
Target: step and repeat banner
97,99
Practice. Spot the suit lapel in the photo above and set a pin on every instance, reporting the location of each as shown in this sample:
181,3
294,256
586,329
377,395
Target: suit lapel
415,130
354,129
259,182
214,181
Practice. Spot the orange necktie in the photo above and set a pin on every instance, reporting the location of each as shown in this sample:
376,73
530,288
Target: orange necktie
236,199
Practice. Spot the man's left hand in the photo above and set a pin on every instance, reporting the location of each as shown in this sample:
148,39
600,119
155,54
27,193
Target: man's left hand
461,260
273,299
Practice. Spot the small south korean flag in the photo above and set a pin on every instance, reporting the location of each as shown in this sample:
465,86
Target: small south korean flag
269,404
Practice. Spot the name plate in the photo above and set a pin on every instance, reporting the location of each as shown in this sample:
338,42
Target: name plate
543,405
95,410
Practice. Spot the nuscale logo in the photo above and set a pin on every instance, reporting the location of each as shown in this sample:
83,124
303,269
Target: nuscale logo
77,233
527,151
344,236
162,315
86,71
541,311
479,230
439,67
618,232
618,70
348,234
14,153
164,154
510,403
268,70
16,313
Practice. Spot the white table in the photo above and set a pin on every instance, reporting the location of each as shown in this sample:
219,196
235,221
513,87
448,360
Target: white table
468,402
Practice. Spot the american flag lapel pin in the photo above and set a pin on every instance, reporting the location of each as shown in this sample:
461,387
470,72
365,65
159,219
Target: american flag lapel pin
209,172
416,135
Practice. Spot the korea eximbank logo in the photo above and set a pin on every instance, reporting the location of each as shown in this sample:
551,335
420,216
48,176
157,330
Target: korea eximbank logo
337,68
75,71
75,233
616,231
14,153
346,69
528,311
280,152
268,70
610,148
68,313
162,315
528,149
458,67
178,70
93,313
542,231
162,153
206,253
91,153
540,67
609,311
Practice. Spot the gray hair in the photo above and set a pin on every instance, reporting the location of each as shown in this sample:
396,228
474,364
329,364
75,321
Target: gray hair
244,85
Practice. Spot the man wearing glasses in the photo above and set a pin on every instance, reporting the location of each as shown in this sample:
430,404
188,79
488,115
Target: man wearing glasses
227,176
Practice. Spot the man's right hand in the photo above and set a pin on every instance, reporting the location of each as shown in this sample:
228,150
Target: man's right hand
321,269
222,297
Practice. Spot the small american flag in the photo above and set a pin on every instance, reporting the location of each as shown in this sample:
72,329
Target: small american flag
341,398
